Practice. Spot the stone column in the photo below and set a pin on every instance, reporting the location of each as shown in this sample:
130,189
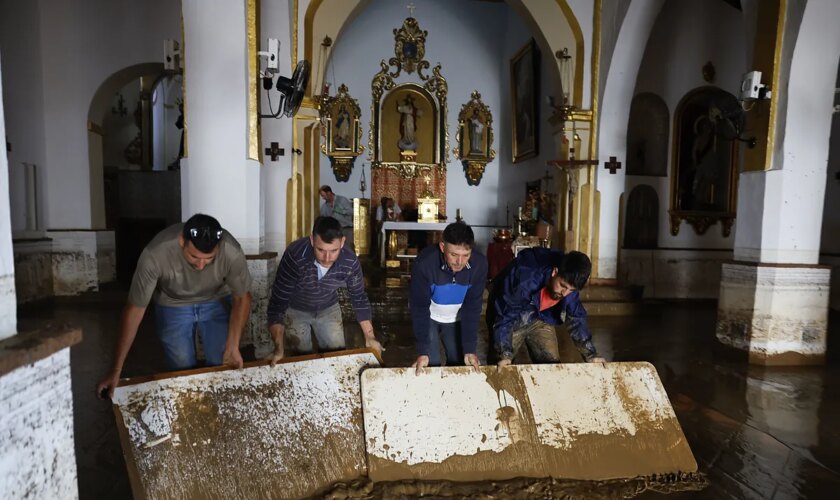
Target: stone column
222,174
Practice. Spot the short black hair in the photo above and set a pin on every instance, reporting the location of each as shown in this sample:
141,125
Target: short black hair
459,233
203,231
327,228
575,268
325,188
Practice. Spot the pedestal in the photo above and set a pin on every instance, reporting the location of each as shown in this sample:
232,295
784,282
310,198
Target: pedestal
777,313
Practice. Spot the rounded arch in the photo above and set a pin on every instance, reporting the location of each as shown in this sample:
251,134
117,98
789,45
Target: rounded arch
641,229
99,105
328,18
648,130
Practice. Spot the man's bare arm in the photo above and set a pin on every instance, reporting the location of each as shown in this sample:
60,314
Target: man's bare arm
131,317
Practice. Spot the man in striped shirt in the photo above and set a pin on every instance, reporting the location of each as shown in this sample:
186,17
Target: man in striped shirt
304,299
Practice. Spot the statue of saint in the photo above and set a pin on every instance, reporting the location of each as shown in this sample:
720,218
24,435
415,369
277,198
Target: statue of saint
476,131
408,124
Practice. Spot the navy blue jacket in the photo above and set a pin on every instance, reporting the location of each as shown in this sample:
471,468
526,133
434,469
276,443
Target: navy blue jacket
515,301
433,284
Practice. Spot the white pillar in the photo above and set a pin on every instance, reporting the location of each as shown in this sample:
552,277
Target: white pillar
8,301
774,298
218,177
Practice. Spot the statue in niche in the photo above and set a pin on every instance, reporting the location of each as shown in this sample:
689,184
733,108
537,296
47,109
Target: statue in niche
476,132
342,129
408,124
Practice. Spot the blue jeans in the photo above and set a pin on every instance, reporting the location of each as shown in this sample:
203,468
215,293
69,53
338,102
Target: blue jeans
326,325
450,335
176,328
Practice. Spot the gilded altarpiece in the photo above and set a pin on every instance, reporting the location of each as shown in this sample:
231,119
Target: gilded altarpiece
408,134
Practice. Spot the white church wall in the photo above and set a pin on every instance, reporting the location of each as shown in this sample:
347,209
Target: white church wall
217,178
620,80
8,305
120,130
685,36
275,23
77,45
23,99
465,38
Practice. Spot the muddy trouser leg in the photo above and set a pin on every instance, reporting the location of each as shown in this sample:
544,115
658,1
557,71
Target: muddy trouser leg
541,339
329,329
298,335
450,334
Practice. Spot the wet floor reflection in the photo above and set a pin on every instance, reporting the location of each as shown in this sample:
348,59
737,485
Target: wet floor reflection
755,432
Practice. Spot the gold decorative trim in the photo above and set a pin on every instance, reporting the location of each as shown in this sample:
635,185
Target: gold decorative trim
307,25
410,49
95,128
594,198
474,114
341,116
774,102
253,80
579,47
184,88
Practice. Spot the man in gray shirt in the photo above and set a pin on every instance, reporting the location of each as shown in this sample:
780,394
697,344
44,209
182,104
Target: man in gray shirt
341,209
190,270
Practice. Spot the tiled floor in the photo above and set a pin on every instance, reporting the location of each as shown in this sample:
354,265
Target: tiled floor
756,432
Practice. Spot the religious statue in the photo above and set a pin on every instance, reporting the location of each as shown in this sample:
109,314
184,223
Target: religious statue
408,124
342,129
476,131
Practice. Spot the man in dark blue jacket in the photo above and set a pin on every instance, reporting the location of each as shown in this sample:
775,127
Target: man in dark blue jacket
530,297
447,285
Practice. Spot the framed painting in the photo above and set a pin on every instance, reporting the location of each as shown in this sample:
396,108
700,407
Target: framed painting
707,124
524,85
341,117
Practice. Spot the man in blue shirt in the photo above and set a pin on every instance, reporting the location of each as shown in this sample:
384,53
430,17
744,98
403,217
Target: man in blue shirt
304,299
530,297
447,285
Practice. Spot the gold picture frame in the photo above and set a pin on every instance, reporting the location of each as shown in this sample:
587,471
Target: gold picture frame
341,117
525,88
704,169
474,138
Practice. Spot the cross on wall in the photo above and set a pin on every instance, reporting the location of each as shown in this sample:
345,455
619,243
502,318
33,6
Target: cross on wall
612,165
275,151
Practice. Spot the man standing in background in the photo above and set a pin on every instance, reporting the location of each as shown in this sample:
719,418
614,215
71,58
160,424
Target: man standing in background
341,209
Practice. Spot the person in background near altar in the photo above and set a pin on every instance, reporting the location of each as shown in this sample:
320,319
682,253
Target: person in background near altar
341,209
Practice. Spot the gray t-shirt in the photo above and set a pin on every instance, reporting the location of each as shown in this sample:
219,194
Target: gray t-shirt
341,209
163,274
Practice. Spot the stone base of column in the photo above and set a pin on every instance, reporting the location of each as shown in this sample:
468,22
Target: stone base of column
777,313
263,268
81,260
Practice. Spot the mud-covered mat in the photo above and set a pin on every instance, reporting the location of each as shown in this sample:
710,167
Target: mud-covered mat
572,421
261,432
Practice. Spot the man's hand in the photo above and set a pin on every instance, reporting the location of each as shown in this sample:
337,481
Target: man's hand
375,345
422,362
232,357
470,359
275,356
597,360
502,363
106,386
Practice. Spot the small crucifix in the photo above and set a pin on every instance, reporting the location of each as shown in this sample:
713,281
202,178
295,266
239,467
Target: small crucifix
612,165
410,8
275,151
